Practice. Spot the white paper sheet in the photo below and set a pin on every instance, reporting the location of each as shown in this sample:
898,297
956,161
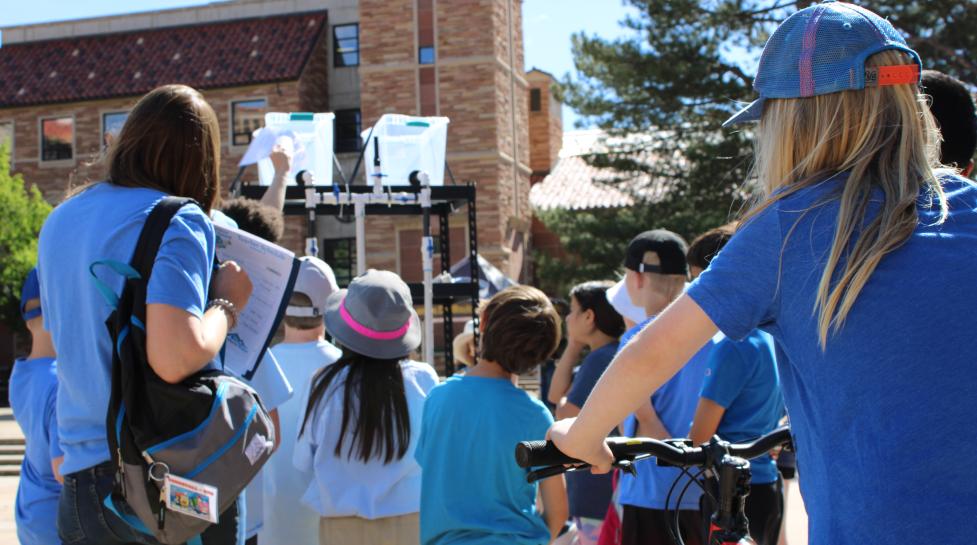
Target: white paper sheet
272,270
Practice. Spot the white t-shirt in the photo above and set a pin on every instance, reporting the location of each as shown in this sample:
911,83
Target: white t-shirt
289,520
345,487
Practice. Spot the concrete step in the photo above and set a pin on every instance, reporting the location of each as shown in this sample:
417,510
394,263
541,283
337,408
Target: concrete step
11,459
18,450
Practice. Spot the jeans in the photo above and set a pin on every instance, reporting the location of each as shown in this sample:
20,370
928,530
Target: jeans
84,520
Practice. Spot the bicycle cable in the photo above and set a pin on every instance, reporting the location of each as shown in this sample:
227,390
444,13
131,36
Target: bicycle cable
678,502
668,501
674,529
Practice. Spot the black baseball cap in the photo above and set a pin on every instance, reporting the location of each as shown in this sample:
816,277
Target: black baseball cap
670,248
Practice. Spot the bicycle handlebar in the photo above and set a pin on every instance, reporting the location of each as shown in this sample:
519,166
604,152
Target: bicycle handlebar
545,453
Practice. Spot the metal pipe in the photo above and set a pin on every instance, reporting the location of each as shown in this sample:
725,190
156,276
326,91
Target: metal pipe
427,263
359,212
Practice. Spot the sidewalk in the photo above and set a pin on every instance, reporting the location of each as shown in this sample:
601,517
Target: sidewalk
8,492
8,484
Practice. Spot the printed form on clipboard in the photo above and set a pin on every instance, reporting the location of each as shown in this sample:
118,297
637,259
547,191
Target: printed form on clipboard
272,270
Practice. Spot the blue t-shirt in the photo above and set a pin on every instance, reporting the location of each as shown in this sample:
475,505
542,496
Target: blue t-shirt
589,494
675,402
742,378
472,491
883,414
104,222
33,390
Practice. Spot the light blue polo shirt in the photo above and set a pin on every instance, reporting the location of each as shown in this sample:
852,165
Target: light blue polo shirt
104,222
273,390
33,390
292,521
884,415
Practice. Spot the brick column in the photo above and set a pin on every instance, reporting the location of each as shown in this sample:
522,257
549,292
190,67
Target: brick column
481,88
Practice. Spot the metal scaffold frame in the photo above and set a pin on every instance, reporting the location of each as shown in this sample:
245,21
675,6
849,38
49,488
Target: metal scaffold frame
359,201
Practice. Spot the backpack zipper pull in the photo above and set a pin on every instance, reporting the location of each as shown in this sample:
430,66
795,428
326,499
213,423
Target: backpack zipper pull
161,483
122,472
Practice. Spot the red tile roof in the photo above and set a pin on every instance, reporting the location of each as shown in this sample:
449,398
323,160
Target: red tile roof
224,54
576,184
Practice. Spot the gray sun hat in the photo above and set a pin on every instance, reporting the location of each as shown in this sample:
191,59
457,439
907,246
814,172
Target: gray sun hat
374,316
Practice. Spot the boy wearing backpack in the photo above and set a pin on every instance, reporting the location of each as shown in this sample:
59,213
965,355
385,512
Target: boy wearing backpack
33,391
472,491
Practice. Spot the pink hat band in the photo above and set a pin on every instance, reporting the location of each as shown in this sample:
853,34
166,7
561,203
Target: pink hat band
366,331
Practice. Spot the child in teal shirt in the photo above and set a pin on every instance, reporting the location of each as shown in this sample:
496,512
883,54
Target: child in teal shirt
472,491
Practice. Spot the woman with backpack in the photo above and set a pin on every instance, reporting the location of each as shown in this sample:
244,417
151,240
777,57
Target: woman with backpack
860,261
169,145
363,417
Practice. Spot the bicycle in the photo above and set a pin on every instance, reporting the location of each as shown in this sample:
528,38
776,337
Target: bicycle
728,462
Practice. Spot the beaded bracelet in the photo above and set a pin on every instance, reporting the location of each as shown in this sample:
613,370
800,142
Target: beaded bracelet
229,310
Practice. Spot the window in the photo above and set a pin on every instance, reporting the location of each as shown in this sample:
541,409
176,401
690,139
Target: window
7,138
247,116
535,100
347,130
111,126
425,55
346,45
340,254
58,139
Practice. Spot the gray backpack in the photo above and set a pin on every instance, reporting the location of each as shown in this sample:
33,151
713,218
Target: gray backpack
183,452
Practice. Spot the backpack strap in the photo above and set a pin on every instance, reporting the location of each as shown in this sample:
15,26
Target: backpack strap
152,234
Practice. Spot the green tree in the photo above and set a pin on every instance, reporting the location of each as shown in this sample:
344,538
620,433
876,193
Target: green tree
23,211
675,77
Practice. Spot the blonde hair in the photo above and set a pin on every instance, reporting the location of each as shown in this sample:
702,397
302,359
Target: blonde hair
885,138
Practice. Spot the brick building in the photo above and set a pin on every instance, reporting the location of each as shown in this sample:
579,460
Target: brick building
67,86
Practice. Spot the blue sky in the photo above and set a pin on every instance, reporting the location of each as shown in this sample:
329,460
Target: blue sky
547,24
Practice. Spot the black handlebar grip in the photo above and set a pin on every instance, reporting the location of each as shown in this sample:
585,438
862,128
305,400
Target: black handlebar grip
541,453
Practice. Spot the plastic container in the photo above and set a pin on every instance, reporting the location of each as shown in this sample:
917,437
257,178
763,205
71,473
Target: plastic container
406,144
310,136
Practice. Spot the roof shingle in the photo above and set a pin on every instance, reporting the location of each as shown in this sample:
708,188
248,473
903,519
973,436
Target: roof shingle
224,54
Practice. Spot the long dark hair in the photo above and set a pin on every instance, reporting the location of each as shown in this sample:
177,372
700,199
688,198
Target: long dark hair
374,406
170,142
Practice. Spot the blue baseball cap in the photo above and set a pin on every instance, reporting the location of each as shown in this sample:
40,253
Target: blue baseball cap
822,49
30,290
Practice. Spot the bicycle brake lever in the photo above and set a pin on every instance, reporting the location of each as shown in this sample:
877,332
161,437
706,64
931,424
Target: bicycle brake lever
627,466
